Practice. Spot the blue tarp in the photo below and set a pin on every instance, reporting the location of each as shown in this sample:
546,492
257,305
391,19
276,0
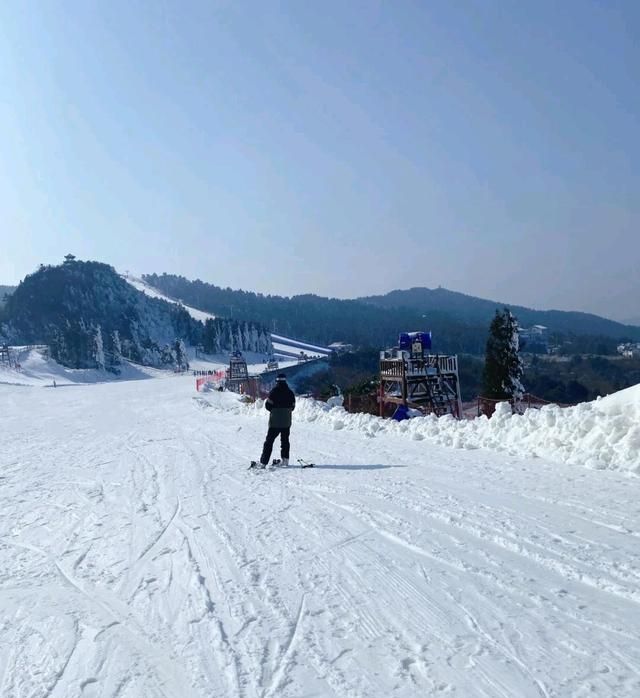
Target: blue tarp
401,413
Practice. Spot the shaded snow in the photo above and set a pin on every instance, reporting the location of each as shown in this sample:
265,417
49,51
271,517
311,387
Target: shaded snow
36,370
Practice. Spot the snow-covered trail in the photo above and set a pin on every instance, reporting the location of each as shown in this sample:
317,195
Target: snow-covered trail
139,557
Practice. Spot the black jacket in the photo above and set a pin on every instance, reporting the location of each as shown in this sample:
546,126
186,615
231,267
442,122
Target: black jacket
280,403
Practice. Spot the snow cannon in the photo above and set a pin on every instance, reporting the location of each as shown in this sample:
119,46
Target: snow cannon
416,343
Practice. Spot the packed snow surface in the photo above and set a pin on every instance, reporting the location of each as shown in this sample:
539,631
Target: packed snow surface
139,558
38,370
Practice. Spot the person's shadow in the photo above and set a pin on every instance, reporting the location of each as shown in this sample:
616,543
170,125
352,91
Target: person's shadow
331,466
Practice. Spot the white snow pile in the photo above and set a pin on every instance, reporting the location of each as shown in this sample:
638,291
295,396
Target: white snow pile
604,434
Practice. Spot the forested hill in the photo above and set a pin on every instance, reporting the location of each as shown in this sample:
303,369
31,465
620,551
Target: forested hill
459,322
479,311
91,317
323,320
5,291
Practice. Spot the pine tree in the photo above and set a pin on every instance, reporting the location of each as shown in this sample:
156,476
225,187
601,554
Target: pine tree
503,369
116,349
182,358
98,349
208,336
167,355
246,337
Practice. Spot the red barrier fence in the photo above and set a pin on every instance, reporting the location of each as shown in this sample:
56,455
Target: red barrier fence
215,379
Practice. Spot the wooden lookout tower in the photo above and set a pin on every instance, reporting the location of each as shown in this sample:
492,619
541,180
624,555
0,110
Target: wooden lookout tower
412,377
6,356
237,373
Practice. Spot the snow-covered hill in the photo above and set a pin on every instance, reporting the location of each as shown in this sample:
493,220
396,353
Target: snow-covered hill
140,559
144,287
283,347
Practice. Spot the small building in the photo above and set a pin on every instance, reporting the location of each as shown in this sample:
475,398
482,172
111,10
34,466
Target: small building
341,347
68,258
272,364
629,350
534,339
237,372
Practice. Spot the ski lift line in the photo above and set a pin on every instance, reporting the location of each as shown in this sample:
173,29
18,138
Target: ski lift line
292,353
288,341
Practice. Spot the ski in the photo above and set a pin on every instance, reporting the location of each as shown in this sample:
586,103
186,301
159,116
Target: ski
277,463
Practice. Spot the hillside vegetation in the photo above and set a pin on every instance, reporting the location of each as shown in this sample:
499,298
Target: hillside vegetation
459,323
91,317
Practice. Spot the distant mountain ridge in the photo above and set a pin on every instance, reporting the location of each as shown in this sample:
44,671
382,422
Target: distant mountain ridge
320,320
91,316
459,322
474,310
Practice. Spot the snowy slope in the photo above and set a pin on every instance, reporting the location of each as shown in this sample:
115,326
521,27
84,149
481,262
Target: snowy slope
142,286
37,370
139,558
283,346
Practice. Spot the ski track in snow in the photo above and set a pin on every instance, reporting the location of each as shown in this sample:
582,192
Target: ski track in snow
140,558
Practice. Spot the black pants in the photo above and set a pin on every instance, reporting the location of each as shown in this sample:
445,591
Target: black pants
272,435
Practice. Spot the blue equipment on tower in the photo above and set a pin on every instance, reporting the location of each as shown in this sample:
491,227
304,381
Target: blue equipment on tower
415,342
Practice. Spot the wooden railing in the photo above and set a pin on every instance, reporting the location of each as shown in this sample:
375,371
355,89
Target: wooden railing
395,368
392,368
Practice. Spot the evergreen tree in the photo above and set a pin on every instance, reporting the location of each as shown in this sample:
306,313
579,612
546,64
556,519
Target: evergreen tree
503,369
209,336
116,349
180,351
98,353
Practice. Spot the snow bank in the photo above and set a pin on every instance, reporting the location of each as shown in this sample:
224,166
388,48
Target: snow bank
604,434
37,370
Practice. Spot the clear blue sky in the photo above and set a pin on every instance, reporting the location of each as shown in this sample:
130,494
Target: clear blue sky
337,147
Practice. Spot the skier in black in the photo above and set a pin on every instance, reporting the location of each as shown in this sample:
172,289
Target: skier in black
280,403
